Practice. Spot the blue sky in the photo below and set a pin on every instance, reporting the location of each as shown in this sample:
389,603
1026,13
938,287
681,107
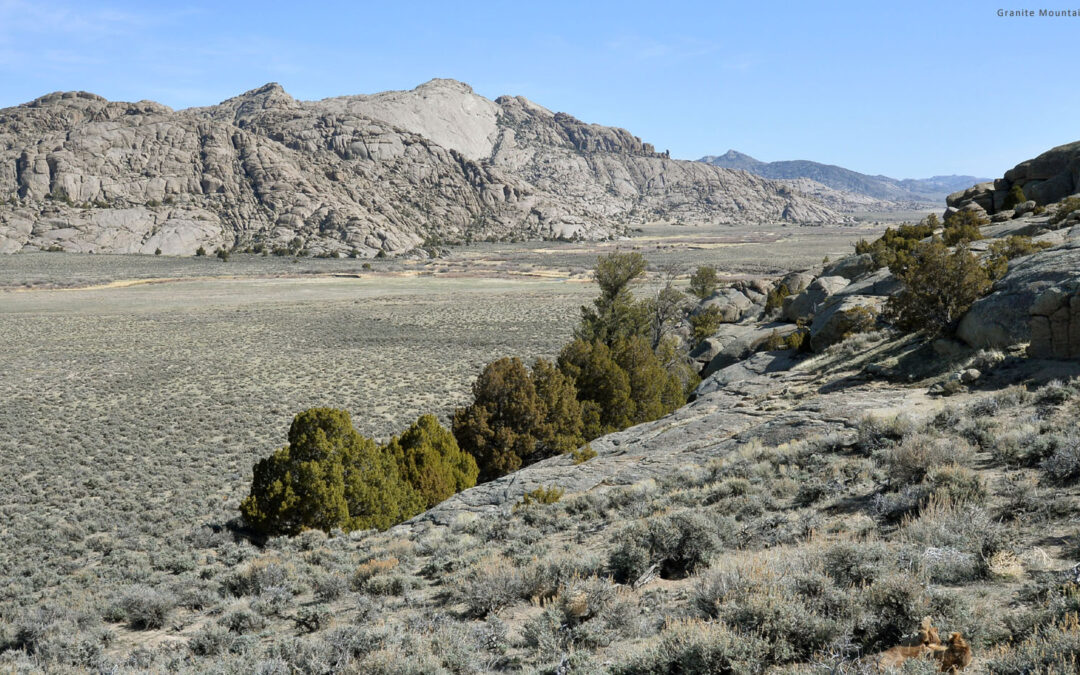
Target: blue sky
907,89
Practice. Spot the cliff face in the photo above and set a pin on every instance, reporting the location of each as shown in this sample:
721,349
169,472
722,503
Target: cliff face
365,173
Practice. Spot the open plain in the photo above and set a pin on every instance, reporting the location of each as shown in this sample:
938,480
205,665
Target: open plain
136,392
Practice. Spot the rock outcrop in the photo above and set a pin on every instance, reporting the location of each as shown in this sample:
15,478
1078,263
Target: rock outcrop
803,306
1004,317
1055,323
383,173
1049,178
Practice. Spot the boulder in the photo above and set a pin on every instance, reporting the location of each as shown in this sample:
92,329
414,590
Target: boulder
1026,207
1055,323
805,304
739,342
706,350
881,282
841,316
851,267
731,303
797,282
1004,317
980,195
754,367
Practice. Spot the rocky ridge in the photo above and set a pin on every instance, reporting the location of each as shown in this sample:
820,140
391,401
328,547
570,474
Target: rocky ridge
871,193
385,174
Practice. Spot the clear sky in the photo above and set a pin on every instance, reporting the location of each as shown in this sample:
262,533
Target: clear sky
907,89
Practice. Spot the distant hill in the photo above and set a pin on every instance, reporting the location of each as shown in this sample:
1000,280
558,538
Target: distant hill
921,190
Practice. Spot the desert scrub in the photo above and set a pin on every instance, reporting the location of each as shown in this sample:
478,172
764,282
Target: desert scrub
957,541
876,432
676,544
917,455
1063,464
697,648
1050,649
144,607
795,607
489,586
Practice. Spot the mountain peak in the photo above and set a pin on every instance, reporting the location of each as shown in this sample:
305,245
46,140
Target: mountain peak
271,93
60,97
445,83
736,155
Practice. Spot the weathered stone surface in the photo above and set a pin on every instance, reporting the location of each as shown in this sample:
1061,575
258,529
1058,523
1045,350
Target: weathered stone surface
838,317
1046,179
731,303
741,341
706,350
881,282
851,267
797,282
1026,207
805,304
372,173
1055,322
1003,318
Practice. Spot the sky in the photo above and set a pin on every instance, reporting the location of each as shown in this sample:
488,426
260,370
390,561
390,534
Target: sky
905,89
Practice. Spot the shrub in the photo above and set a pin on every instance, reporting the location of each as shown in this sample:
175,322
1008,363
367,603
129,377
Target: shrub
775,341
430,460
706,322
616,314
542,495
1065,208
211,640
313,618
603,387
201,251
1051,649
775,298
698,648
1014,198
222,254
328,477
895,246
939,287
371,569
518,417
798,340
678,544
910,461
1063,465
1004,250
583,454
146,607
896,603
703,282
489,586
962,227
